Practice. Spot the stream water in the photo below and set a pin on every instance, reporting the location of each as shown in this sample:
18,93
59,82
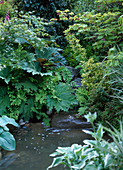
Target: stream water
35,143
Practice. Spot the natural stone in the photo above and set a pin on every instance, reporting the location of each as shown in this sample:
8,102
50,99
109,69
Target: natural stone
69,122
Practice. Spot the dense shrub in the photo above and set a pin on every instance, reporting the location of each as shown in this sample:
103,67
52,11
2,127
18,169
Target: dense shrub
82,6
6,7
45,8
95,43
31,76
102,88
97,31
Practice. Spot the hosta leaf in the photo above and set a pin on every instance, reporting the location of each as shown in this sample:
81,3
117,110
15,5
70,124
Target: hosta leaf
100,131
108,160
88,132
91,166
88,150
55,154
1,130
56,162
92,154
90,142
63,150
80,165
4,120
7,141
76,147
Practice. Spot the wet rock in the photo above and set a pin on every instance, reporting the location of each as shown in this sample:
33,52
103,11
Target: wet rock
23,123
69,122
78,82
49,112
75,72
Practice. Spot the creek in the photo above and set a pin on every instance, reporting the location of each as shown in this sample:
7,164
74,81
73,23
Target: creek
34,143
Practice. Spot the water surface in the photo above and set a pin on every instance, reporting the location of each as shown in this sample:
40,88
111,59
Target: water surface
35,143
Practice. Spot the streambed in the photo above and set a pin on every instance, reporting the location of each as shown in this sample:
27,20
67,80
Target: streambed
36,142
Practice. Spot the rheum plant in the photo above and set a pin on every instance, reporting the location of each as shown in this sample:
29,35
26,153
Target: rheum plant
94,154
32,73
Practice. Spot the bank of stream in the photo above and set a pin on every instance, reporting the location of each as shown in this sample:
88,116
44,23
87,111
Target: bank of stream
35,141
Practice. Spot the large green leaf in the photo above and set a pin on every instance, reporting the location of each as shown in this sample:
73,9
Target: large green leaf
47,53
99,132
90,166
26,84
51,54
4,120
21,40
1,130
62,98
31,67
5,74
80,165
56,162
108,160
7,141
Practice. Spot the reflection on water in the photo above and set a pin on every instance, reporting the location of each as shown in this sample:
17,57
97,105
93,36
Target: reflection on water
36,143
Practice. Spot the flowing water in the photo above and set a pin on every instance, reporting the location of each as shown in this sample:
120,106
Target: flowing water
35,143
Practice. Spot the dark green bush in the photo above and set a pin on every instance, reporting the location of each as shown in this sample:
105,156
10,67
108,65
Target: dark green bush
32,73
44,8
47,9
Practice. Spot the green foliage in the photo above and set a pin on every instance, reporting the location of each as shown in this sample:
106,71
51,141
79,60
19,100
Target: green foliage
97,31
108,109
82,96
27,95
61,98
7,141
92,73
4,7
31,70
116,80
100,84
98,74
74,52
117,83
83,6
94,154
45,8
4,99
94,38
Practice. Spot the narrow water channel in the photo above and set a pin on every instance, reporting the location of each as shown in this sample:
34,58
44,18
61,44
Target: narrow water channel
35,143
